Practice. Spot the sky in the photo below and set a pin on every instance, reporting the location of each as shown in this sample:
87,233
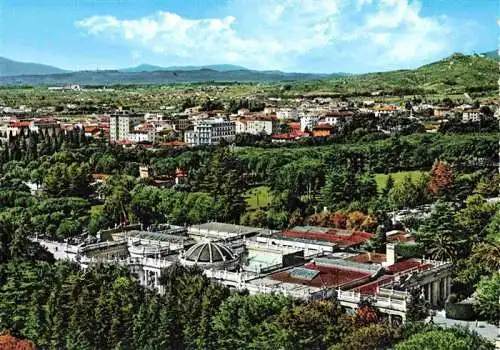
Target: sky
322,36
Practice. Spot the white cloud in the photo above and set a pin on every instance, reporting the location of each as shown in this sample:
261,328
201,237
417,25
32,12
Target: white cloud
282,33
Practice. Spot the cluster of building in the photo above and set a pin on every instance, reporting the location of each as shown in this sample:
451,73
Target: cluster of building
320,117
306,262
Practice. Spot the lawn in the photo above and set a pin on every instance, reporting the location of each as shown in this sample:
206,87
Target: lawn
381,179
258,197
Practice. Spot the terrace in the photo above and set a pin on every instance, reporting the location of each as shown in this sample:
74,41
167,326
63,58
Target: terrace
329,273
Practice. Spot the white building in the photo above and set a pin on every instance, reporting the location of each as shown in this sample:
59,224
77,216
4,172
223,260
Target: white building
269,110
121,124
210,132
266,126
243,111
142,136
241,126
388,110
308,122
257,125
336,118
471,115
287,113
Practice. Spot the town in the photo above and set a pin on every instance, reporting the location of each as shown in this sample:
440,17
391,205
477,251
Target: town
222,175
301,120
186,187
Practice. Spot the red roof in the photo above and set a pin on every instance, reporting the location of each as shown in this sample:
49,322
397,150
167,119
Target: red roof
343,238
372,287
124,142
283,137
400,237
322,127
407,265
100,176
174,143
180,172
22,124
339,114
329,276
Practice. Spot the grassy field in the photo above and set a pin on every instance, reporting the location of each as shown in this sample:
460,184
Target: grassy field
381,179
257,197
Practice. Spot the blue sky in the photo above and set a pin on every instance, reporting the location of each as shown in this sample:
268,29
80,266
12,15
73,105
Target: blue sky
291,35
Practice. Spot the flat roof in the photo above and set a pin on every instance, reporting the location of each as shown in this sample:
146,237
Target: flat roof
225,228
279,236
321,276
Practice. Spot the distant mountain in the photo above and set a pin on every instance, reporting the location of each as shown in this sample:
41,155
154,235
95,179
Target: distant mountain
111,77
457,73
142,68
13,68
492,54
153,68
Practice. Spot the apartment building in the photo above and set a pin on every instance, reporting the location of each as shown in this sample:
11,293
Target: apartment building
122,123
210,132
258,125
308,122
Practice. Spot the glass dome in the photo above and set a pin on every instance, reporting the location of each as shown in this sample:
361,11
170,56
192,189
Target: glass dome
209,255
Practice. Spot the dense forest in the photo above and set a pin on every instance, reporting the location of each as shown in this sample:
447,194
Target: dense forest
59,306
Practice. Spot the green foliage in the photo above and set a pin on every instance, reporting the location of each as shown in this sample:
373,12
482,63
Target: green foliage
315,325
243,321
460,311
344,186
443,339
440,236
371,337
486,298
409,193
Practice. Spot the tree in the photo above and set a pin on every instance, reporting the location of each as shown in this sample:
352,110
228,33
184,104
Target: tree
486,298
441,339
440,236
474,218
8,342
366,314
441,179
242,321
389,185
370,337
117,195
314,325
417,306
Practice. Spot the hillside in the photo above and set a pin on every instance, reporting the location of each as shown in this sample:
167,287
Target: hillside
457,73
14,68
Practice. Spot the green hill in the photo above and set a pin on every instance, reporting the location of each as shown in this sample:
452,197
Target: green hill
14,68
457,73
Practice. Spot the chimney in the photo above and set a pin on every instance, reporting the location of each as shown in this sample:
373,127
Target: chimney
390,253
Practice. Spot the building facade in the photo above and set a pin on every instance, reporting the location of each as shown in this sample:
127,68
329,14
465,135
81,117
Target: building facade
121,124
287,113
471,115
308,122
210,132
